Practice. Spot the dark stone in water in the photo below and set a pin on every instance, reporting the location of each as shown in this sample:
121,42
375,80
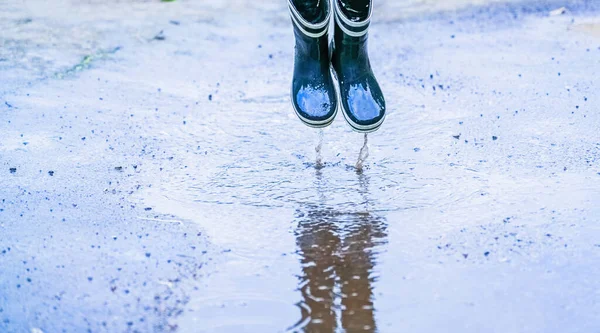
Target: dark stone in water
160,36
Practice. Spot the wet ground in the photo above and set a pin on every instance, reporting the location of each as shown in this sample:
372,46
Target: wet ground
153,176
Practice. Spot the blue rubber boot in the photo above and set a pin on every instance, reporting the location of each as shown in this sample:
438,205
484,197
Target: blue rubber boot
313,93
361,98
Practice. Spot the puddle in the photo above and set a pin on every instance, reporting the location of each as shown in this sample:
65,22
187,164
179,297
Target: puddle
590,28
204,204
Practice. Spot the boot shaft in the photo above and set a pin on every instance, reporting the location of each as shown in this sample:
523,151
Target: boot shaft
350,39
313,11
355,10
314,48
311,19
352,21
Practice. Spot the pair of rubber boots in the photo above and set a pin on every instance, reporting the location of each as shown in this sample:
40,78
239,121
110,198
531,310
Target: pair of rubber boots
315,95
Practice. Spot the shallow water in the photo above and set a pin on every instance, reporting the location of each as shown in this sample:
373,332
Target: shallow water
185,195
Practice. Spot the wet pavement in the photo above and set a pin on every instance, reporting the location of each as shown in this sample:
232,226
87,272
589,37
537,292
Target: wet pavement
154,178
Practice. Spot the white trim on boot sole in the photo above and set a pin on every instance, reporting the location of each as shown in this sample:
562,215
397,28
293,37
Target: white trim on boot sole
355,127
312,123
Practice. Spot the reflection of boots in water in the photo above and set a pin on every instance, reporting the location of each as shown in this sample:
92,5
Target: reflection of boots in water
355,269
318,242
361,98
338,262
313,93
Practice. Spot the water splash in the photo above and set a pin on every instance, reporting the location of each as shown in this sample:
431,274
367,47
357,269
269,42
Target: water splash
318,150
363,155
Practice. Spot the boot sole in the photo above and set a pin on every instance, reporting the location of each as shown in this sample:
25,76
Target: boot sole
355,127
313,123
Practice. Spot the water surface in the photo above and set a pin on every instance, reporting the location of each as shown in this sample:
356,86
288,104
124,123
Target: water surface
186,196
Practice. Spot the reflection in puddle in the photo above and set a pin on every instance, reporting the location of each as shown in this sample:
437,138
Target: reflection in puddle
338,251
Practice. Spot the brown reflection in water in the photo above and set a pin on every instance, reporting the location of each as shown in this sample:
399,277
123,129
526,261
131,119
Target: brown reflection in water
338,256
